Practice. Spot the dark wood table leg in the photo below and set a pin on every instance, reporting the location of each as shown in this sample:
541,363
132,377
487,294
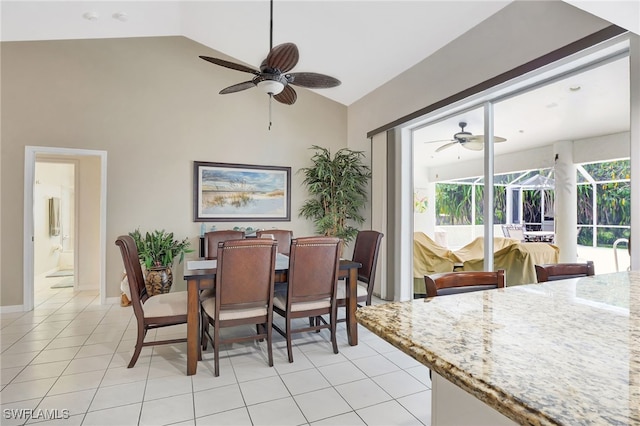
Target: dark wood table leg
352,305
193,326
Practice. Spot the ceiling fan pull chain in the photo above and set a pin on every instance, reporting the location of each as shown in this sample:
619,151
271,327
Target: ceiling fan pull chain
270,98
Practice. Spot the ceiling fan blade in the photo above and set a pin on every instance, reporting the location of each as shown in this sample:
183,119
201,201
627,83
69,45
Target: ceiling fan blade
441,140
288,96
312,80
472,145
445,146
238,87
232,65
480,138
283,57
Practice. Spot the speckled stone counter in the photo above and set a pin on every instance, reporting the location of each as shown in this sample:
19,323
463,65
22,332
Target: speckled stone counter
564,352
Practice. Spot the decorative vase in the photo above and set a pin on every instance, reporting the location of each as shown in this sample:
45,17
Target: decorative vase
159,280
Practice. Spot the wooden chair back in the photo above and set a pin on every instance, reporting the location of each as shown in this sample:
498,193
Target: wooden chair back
365,251
561,271
213,238
282,236
133,269
463,282
245,273
313,269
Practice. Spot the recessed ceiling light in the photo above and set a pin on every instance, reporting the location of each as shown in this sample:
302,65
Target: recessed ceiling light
90,16
121,16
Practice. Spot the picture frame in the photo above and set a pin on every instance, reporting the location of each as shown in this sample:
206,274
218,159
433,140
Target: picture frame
226,192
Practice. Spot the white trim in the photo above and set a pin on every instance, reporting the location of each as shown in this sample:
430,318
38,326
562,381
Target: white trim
11,309
28,227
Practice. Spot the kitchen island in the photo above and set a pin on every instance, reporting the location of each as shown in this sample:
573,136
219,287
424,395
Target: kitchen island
562,352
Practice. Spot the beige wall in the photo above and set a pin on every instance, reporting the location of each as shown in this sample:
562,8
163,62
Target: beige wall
153,105
517,34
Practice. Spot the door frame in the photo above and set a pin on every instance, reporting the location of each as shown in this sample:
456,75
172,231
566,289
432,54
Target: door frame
28,224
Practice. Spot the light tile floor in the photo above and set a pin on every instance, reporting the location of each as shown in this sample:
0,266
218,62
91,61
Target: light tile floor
67,360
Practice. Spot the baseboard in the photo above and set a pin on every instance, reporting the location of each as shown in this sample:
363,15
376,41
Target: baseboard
11,309
112,300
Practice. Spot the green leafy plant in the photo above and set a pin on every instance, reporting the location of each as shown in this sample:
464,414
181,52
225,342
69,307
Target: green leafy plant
337,184
159,248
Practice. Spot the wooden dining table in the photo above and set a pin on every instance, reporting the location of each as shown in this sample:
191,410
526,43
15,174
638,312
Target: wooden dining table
199,276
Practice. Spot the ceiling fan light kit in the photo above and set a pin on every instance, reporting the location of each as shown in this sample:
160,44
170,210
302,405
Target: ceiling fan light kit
273,77
270,87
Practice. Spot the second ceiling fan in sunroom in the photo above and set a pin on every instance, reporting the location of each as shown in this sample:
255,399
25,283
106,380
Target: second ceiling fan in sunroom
466,140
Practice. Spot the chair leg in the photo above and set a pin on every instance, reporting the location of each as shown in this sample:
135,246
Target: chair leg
142,331
288,331
204,320
216,349
261,329
269,330
333,318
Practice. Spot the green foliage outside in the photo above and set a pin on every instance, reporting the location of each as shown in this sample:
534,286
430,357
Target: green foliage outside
613,192
453,204
337,185
612,199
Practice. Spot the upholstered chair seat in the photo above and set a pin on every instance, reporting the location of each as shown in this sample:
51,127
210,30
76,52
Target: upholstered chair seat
162,305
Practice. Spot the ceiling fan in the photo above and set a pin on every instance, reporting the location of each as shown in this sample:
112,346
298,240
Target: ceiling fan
466,140
274,77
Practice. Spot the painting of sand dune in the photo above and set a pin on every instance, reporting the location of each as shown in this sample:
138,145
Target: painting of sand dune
241,192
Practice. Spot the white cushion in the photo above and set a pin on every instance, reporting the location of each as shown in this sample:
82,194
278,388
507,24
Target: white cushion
209,306
168,304
341,292
207,293
280,300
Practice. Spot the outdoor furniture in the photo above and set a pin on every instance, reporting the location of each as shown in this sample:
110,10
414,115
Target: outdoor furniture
161,310
311,288
243,294
518,259
462,282
561,271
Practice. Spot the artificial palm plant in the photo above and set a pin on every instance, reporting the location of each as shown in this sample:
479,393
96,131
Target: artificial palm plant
338,186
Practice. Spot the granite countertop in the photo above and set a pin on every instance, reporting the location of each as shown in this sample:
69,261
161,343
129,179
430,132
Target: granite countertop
563,352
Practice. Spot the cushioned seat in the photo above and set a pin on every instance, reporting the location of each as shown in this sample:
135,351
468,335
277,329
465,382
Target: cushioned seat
162,305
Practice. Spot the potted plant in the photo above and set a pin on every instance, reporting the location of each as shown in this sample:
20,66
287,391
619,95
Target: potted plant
157,251
337,185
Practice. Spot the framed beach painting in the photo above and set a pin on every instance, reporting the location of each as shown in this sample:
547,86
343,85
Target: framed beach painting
238,192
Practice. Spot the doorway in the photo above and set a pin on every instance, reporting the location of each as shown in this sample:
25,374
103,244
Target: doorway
54,214
67,221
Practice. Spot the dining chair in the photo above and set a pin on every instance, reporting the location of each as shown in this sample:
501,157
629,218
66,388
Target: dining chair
311,287
243,294
151,312
365,252
282,236
212,238
561,271
463,282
